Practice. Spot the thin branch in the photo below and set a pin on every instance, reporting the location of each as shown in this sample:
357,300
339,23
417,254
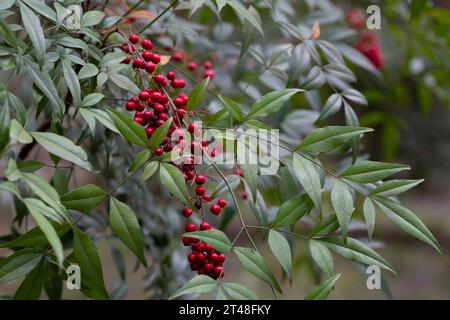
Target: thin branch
159,16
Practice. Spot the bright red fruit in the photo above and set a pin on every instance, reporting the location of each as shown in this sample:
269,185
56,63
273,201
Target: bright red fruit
187,212
134,38
215,209
147,44
222,203
200,179
190,227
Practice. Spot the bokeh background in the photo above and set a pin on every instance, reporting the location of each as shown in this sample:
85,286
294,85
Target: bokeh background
410,110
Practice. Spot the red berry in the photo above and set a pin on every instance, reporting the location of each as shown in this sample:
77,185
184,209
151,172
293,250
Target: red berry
149,131
201,257
171,75
178,83
200,179
206,198
181,113
213,153
147,55
159,108
144,95
127,60
192,66
139,120
190,227
215,209
159,122
178,101
192,127
187,212
192,257
207,65
200,190
214,257
130,106
134,38
147,114
156,58
147,44
208,267
209,74
159,151
150,67
217,270
159,78
138,63
178,56
168,148
186,241
222,203
164,117
221,257
155,96
244,195
204,226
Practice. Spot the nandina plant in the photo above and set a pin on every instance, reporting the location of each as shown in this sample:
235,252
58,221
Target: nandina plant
130,104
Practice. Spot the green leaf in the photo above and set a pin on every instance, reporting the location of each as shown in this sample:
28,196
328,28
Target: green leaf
72,82
342,202
41,8
44,82
357,251
101,116
329,138
233,108
89,70
18,133
271,103
63,148
322,257
198,284
35,237
84,198
149,170
173,180
46,227
357,58
17,104
332,105
408,222
354,96
371,171
87,257
238,291
126,226
141,158
130,130
308,176
325,227
233,181
160,133
124,82
7,35
281,250
19,264
92,18
221,4
322,290
10,187
92,99
4,125
6,4
369,216
31,286
33,26
216,238
246,14
29,165
46,210
197,95
250,172
254,263
293,210
394,187
314,80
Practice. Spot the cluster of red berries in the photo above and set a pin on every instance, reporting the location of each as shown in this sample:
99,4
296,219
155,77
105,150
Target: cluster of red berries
368,43
153,107
193,66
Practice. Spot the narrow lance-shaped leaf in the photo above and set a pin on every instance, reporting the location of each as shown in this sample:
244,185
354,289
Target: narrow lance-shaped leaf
271,103
342,202
308,176
19,264
34,29
197,95
130,130
216,238
394,187
31,286
148,171
72,82
173,180
63,148
140,159
281,250
233,108
322,290
322,257
293,210
371,171
84,198
198,284
254,263
4,125
18,133
158,136
238,291
369,216
126,226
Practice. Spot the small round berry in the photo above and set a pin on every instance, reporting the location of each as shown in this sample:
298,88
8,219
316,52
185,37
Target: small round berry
192,66
149,131
206,198
204,226
127,60
159,122
159,151
168,148
159,108
200,179
171,75
213,153
155,96
215,209
207,65
134,38
178,101
159,78
150,67
192,257
208,267
147,114
222,203
209,74
130,106
192,127
156,58
144,95
178,83
200,190
217,270
147,44
190,227
178,56
244,195
187,212
138,63
147,55
186,241
221,257
201,257
214,257
181,113
208,247
139,120
140,106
